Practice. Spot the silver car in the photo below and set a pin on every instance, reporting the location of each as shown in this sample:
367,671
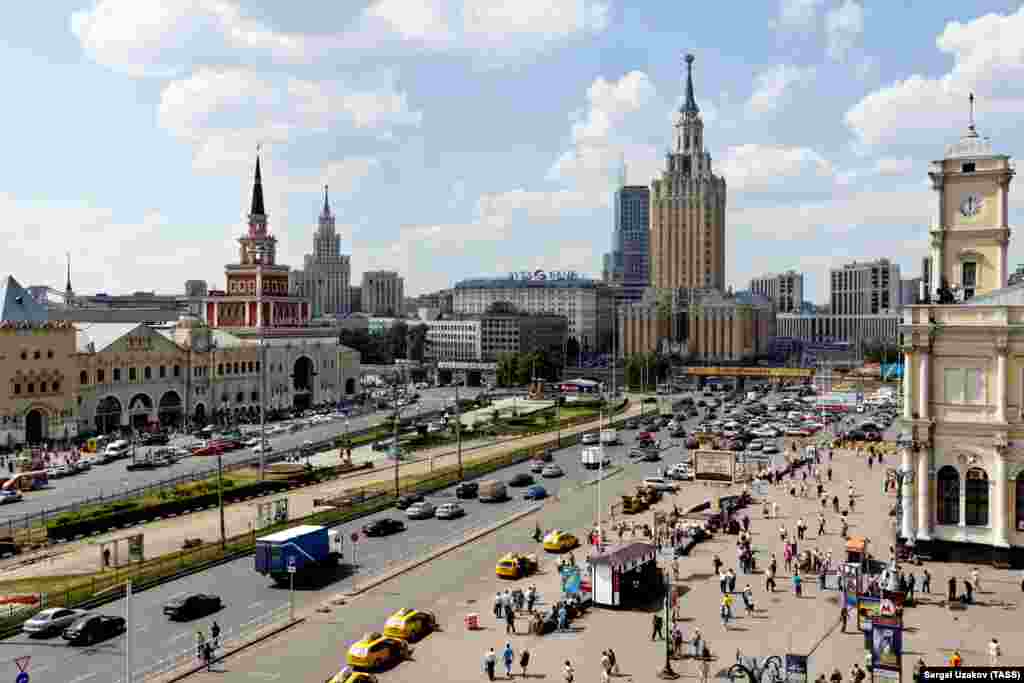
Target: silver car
51,621
421,510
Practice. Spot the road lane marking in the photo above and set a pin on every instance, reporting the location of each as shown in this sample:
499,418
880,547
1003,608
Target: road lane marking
83,677
179,636
264,675
256,604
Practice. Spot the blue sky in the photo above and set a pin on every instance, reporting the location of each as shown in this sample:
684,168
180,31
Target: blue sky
469,137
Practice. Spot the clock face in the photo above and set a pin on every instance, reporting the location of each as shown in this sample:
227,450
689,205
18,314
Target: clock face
971,205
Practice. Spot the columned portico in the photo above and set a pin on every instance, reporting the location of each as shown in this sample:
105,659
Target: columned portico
1002,378
907,529
923,380
1001,512
908,385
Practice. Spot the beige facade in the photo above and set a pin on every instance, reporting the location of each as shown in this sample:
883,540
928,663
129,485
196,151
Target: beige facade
642,328
687,231
730,328
40,389
963,401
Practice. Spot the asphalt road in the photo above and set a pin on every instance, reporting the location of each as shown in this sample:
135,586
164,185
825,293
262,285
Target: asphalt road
104,480
247,595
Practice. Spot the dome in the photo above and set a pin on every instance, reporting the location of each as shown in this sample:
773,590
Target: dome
189,321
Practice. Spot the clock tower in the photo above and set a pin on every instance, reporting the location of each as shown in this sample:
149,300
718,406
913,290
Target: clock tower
970,232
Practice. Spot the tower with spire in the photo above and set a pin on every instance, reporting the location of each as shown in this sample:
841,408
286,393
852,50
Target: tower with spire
325,277
69,293
688,207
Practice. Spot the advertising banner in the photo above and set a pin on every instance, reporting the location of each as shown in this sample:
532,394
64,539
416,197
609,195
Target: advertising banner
886,647
796,668
867,610
714,465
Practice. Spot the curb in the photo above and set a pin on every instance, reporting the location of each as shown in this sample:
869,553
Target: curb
174,677
431,556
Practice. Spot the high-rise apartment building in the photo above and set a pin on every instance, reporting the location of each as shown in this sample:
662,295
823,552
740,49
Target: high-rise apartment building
865,288
325,278
687,225
383,292
785,290
628,264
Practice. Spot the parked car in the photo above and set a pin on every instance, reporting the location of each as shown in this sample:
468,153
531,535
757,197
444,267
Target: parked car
678,433
449,511
51,621
383,527
467,489
9,496
591,439
552,471
537,466
192,606
422,510
660,483
408,500
93,628
521,479
680,472
535,492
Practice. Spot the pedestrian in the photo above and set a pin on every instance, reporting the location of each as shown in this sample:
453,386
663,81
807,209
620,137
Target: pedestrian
200,644
926,584
775,509
769,581
956,660
726,611
952,589
723,582
524,661
208,656
498,605
215,634
717,562
843,616
748,599
508,656
835,504
797,584
677,642
489,661
656,628
836,677
975,575
911,586
821,524
829,471
531,598
510,620
994,652
968,592
614,662
570,673
732,580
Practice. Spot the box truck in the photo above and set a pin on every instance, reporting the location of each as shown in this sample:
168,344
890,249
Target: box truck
313,551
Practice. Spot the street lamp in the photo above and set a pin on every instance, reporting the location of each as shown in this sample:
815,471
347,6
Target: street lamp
667,673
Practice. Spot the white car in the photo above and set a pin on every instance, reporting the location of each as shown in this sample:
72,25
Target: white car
590,439
50,621
422,510
253,442
680,472
9,496
449,511
435,427
265,448
660,483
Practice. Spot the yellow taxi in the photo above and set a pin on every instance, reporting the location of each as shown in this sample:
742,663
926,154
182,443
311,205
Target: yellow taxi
410,624
376,650
515,566
348,675
559,541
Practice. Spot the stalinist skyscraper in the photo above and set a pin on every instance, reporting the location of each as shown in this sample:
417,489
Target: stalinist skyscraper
687,238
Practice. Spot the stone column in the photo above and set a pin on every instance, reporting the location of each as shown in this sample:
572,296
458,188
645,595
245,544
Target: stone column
924,381
908,384
1001,378
907,530
923,485
1000,507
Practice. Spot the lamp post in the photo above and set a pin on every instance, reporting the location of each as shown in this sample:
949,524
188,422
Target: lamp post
667,673
903,476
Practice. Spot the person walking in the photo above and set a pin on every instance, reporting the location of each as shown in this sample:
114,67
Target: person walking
200,644
829,471
821,524
490,659
844,616
656,628
956,661
508,657
499,603
716,562
215,634
568,672
926,583
797,585
524,661
975,576
726,611
775,509
748,599
952,589
510,620
614,662
732,580
769,580
994,652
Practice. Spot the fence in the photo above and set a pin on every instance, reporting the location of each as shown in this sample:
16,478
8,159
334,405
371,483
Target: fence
230,638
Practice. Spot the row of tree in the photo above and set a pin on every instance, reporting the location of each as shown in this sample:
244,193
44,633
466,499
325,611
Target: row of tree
521,368
646,369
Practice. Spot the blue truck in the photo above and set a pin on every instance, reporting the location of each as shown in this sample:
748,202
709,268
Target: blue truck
314,551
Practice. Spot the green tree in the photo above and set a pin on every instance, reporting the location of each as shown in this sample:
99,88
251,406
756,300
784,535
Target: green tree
508,369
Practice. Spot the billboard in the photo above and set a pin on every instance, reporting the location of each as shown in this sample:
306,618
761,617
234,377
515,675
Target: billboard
790,373
714,465
886,647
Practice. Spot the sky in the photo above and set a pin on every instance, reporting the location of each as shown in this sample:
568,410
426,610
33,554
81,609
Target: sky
469,137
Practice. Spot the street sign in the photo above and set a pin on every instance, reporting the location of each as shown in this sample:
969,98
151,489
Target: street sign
22,662
291,565
22,677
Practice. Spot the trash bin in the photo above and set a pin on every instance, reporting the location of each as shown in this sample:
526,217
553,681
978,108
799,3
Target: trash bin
472,621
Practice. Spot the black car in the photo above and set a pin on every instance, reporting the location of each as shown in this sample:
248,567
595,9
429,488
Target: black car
521,479
192,606
467,489
383,527
93,628
855,435
631,424
405,501
651,455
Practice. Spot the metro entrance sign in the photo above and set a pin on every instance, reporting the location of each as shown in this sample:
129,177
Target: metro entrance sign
22,677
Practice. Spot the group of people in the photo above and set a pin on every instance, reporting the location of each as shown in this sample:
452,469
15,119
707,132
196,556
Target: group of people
507,658
206,648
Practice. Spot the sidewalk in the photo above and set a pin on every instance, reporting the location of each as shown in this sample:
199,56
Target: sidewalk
167,536
782,623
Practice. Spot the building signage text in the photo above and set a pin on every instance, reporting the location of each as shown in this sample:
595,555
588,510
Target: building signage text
542,275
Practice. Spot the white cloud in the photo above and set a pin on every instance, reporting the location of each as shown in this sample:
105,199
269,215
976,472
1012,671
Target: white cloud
756,167
156,37
773,86
224,113
496,19
884,168
843,28
988,58
798,15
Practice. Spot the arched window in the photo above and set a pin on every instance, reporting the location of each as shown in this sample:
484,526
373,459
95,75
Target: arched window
948,496
1020,502
220,368
976,497
148,373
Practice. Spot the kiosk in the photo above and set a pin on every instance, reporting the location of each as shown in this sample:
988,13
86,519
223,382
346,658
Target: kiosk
625,576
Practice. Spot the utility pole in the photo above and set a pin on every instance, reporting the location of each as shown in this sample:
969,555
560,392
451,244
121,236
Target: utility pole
394,445
127,633
458,430
263,400
220,496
